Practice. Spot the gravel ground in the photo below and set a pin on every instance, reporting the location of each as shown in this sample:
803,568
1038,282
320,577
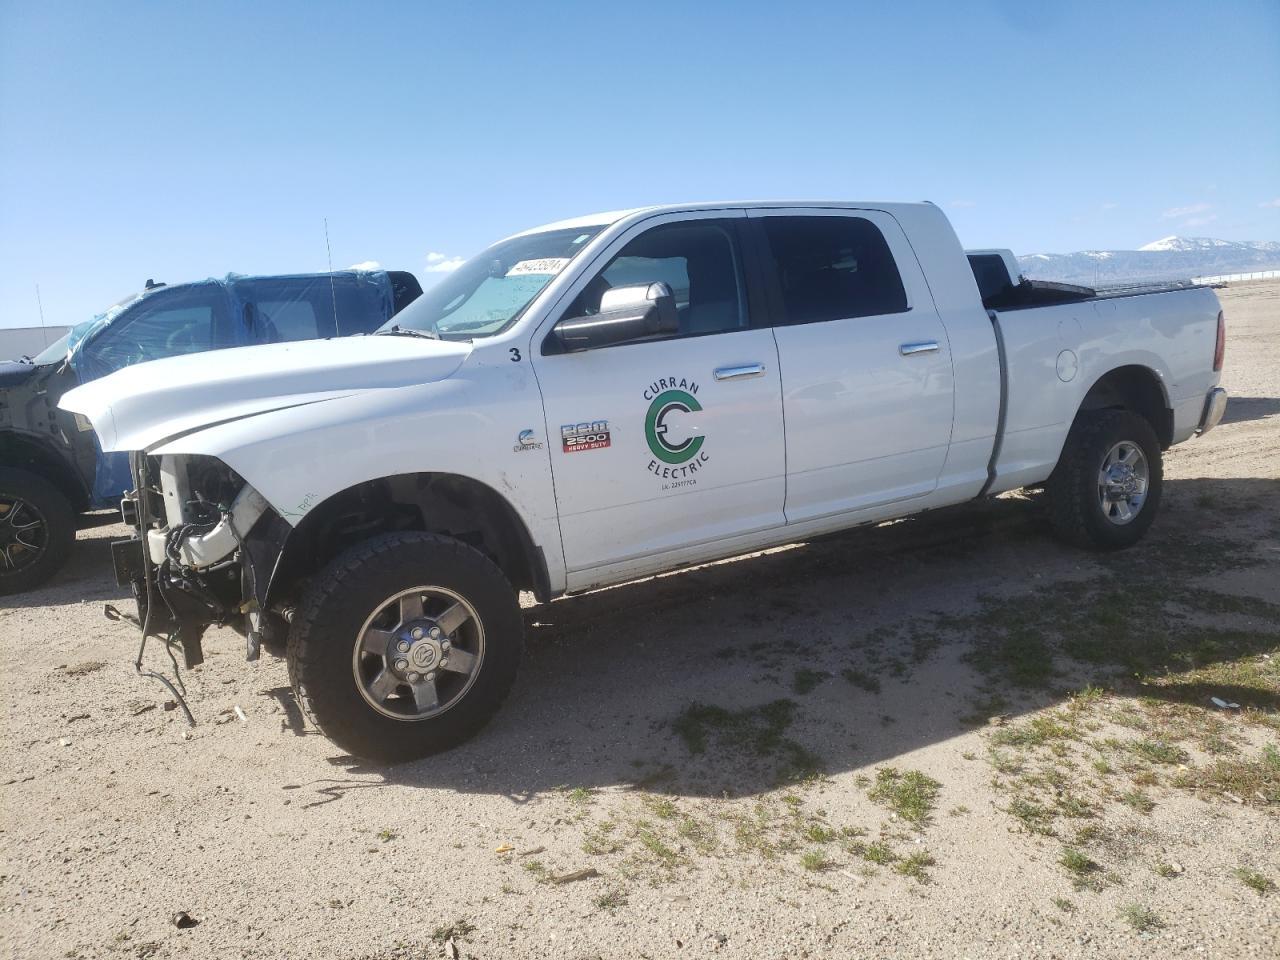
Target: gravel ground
711,748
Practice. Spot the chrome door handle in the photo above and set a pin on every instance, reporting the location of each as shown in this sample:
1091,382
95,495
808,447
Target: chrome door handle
740,371
923,346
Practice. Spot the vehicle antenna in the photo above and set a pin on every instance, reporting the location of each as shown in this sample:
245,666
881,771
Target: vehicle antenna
332,290
44,333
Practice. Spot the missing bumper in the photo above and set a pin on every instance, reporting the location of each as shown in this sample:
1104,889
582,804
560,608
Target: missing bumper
1215,407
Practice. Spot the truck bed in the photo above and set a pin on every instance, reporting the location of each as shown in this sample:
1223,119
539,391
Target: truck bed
1052,354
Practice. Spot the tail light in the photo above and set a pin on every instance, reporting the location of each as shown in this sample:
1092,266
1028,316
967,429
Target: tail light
1221,346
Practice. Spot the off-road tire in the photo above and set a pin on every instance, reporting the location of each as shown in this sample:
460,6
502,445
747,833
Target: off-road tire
1071,493
334,608
44,499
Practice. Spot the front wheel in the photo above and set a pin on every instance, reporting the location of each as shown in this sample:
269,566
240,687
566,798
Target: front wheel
1106,489
37,530
405,646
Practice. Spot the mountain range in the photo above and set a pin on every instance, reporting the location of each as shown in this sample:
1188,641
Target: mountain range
1170,258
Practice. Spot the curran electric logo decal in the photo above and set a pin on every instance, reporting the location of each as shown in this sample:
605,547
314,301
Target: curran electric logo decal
678,451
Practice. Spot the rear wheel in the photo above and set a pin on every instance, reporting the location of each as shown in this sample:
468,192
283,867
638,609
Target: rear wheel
1106,489
37,530
405,646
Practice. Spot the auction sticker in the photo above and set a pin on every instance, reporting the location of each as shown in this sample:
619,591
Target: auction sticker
547,266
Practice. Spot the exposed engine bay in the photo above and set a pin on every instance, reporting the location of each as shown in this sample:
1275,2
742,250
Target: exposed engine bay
210,550
188,566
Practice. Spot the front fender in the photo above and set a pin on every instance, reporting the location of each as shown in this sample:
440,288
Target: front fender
299,457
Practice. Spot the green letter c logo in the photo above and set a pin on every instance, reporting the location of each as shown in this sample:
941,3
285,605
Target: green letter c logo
655,427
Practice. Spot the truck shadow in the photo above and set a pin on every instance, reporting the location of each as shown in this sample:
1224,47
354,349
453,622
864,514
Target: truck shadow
1243,409
831,656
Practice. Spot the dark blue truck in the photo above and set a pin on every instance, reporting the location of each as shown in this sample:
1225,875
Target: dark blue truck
51,467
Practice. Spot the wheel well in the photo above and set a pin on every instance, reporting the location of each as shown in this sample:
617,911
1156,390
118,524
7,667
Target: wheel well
1133,388
23,453
447,504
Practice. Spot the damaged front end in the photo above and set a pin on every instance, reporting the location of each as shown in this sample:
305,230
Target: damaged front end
202,554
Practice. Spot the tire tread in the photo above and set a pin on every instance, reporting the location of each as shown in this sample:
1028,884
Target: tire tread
60,519
1068,490
308,660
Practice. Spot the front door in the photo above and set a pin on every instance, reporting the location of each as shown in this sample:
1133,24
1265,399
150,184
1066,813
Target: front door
866,366
665,444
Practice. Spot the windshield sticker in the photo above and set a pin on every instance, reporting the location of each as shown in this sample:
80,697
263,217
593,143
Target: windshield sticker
547,267
589,435
672,433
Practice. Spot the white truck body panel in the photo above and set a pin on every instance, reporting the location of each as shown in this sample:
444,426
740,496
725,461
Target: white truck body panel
1055,354
839,427
621,502
139,406
301,455
845,453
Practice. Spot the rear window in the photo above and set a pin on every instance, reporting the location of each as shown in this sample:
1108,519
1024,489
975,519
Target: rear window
303,308
992,275
833,268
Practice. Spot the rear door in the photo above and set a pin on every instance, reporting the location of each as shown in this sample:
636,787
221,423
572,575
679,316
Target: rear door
662,445
866,368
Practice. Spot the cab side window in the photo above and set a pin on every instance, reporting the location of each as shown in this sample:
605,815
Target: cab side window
833,268
165,324
281,320
699,260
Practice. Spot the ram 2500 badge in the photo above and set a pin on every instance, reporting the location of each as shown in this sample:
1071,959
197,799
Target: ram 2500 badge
614,396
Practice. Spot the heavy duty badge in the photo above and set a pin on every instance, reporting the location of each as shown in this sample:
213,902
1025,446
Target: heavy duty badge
591,435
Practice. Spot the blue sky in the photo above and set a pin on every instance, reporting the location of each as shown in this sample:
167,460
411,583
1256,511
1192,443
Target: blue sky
179,141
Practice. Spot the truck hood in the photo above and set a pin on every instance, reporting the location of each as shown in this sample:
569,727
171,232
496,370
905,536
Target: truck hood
140,406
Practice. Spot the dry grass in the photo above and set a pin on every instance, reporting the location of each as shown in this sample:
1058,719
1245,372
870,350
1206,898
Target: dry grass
1251,780
911,795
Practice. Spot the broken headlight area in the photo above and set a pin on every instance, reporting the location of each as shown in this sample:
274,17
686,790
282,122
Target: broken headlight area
190,564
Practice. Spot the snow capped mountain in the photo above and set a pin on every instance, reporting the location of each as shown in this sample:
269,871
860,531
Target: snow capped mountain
1185,244
1169,258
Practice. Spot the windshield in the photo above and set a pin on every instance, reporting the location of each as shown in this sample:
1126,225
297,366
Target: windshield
58,349
76,336
488,292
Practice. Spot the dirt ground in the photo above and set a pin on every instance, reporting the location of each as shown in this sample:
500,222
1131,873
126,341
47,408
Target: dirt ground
946,737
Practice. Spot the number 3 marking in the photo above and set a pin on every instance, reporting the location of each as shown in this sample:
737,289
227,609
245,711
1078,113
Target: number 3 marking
515,355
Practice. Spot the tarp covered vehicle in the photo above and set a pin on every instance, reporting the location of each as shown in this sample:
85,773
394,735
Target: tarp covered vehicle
51,466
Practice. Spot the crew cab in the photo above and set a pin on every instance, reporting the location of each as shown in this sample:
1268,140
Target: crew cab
51,467
614,396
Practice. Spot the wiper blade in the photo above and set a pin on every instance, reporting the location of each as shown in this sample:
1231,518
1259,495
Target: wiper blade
399,331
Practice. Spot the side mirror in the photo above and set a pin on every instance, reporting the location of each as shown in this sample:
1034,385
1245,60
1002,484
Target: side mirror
626,313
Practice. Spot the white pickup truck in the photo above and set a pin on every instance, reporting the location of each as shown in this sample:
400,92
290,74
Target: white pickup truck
613,396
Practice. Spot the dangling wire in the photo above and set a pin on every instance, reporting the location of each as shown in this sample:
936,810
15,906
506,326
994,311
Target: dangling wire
113,613
169,642
144,519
